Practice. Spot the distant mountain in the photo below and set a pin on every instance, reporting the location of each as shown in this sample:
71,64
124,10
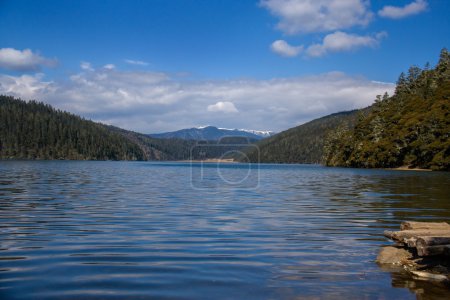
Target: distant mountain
301,144
261,133
211,133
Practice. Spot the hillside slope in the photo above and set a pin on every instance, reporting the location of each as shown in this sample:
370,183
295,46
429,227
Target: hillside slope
304,143
34,130
411,128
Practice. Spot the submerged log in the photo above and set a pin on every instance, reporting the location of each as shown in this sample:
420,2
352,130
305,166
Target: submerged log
430,276
409,225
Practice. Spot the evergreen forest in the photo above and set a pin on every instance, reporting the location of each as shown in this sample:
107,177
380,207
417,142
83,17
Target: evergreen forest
409,129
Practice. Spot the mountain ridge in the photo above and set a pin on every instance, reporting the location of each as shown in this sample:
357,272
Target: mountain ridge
35,130
211,133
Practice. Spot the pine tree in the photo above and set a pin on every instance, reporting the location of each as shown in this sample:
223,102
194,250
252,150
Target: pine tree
402,84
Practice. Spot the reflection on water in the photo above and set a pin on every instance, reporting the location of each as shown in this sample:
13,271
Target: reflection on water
155,230
424,290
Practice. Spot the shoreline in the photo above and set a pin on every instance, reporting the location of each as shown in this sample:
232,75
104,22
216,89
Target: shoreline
224,160
406,168
211,160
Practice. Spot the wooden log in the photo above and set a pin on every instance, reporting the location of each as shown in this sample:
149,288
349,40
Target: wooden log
407,234
409,225
411,242
433,250
423,241
389,234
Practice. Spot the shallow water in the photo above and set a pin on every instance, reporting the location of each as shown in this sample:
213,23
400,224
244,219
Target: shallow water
176,230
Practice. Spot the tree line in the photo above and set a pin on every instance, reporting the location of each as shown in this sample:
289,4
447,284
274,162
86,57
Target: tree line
410,128
35,130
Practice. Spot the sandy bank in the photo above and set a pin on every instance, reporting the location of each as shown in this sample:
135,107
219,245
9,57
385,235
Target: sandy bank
212,160
407,168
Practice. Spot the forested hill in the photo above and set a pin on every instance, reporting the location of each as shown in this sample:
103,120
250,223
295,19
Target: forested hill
304,143
411,128
33,130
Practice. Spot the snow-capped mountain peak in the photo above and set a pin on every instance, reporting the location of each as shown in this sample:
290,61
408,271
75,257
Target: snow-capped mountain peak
213,133
263,133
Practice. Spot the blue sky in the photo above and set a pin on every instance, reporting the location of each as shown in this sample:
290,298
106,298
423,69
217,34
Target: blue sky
162,65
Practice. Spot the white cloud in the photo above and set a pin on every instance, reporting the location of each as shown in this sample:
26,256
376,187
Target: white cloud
306,16
86,66
26,86
153,102
340,42
109,66
223,106
395,12
23,60
281,47
136,62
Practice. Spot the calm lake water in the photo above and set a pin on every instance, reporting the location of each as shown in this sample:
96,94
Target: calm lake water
172,230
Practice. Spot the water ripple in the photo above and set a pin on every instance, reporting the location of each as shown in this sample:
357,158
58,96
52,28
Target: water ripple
151,230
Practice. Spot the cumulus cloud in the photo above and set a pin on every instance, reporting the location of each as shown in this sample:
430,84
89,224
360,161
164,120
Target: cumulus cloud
23,60
26,86
395,12
226,107
154,102
282,48
306,16
84,65
340,42
136,62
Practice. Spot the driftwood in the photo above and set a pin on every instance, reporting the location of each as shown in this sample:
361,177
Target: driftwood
433,240
421,248
427,238
409,225
403,235
433,250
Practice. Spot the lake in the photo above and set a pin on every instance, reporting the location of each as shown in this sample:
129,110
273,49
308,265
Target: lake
207,231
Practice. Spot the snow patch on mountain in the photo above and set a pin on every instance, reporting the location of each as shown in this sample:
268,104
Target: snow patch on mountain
263,133
209,132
